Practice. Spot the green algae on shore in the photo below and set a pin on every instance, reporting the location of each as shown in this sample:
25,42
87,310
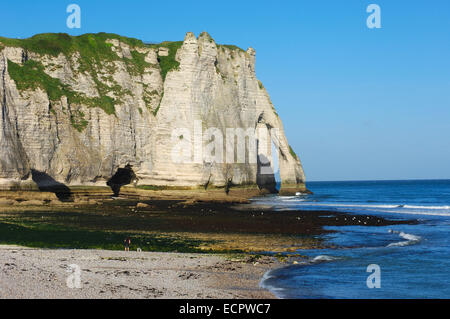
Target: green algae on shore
202,222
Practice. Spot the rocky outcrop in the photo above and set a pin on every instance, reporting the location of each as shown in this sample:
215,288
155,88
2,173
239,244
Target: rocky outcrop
97,103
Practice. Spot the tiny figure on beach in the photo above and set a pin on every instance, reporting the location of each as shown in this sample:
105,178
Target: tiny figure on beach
127,243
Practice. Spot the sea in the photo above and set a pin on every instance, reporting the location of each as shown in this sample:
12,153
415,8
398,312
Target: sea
369,262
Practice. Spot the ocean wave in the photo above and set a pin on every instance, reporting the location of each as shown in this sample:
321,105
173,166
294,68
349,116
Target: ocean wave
323,258
305,203
410,239
435,210
301,194
268,277
426,207
265,285
349,205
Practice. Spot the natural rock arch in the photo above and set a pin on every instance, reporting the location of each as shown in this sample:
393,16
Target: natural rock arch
123,176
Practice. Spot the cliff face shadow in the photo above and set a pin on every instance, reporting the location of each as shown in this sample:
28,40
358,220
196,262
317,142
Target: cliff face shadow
46,183
265,176
123,176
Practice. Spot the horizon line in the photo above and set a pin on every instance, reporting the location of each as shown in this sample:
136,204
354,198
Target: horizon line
380,180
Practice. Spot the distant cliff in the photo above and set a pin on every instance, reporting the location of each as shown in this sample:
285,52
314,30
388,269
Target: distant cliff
77,109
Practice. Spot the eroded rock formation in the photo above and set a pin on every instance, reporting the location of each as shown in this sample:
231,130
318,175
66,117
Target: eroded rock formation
80,108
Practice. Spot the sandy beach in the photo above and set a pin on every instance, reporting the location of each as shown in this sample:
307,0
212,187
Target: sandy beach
43,273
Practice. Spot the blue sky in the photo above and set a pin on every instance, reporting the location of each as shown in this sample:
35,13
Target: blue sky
356,103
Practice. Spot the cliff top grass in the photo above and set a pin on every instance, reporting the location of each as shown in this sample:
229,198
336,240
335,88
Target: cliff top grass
168,63
231,47
94,50
89,44
95,54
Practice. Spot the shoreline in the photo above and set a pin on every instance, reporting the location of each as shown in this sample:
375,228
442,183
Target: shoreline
42,273
194,244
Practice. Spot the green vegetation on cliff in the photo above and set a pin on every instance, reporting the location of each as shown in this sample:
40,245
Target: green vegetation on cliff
90,46
168,63
31,75
94,54
93,49
231,47
292,152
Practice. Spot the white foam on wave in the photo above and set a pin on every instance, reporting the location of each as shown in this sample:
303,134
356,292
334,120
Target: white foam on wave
264,282
266,275
443,210
410,239
322,258
265,285
301,194
351,205
426,207
401,244
294,200
301,202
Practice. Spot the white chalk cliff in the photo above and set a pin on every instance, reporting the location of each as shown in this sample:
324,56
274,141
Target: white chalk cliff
80,115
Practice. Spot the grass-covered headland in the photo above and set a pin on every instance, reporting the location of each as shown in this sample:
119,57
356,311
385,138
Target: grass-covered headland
95,56
94,53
